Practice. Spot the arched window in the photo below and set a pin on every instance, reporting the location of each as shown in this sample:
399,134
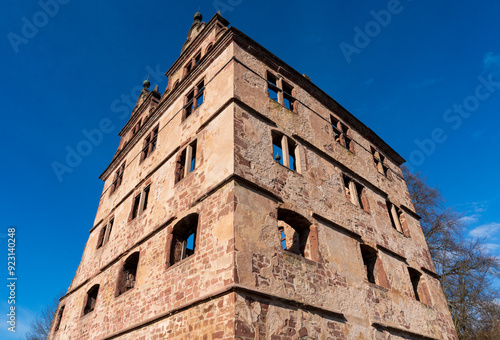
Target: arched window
293,230
184,238
91,299
128,274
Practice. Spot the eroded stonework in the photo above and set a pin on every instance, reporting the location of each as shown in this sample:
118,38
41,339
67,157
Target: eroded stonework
245,203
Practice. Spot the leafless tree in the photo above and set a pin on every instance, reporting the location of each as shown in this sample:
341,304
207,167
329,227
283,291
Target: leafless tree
467,270
40,327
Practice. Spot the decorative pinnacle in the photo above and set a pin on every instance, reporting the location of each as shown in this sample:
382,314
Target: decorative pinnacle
198,16
146,84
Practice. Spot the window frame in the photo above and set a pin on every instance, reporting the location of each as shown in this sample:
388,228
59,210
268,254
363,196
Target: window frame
150,143
355,193
184,164
277,85
89,309
379,162
140,201
304,236
179,236
289,149
397,217
191,100
130,266
118,178
342,133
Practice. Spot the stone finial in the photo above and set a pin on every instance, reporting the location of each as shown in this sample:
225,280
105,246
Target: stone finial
198,16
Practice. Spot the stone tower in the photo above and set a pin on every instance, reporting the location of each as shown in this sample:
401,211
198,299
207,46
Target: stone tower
245,203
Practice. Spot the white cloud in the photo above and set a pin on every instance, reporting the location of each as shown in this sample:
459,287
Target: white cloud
485,230
492,246
469,219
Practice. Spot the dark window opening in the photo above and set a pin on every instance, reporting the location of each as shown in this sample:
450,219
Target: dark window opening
145,150
293,231
288,99
341,134
58,318
146,196
355,193
369,260
91,299
209,47
272,87
186,162
415,280
199,94
360,191
277,149
154,139
285,150
135,207
108,231
179,166
189,104
128,274
197,58
192,164
184,239
194,99
118,177
395,215
100,240
378,160
336,131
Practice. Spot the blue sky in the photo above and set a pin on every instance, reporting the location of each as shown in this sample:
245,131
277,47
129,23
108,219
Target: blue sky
422,74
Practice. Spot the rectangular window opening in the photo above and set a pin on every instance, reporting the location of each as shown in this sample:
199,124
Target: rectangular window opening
109,229
288,99
369,260
189,104
135,207
146,196
277,149
154,139
200,94
272,87
193,157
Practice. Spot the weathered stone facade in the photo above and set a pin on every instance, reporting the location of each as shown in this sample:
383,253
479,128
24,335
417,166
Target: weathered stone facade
245,203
